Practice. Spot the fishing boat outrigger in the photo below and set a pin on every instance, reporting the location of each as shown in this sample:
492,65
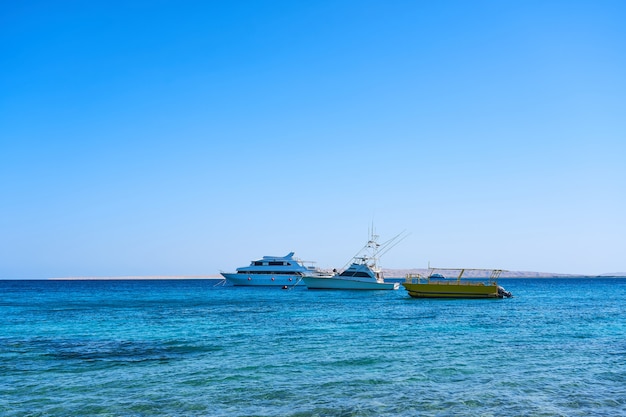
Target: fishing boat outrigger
435,285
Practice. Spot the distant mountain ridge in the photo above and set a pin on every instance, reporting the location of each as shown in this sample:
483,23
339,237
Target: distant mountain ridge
388,272
396,273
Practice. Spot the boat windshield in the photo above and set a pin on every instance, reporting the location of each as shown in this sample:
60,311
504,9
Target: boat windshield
354,274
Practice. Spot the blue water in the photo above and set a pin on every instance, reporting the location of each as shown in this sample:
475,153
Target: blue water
189,348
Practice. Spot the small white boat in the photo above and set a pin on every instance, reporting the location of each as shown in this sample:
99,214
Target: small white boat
364,272
273,271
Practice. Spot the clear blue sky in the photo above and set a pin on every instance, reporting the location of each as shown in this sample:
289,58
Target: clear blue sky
177,137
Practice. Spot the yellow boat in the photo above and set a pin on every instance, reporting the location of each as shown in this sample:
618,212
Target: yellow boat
435,285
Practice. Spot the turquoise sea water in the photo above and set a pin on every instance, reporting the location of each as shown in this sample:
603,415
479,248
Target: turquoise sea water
189,348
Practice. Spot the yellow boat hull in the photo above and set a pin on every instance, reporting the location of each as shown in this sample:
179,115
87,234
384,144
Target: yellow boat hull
451,290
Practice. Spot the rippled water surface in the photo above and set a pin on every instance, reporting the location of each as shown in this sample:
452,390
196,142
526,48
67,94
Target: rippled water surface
189,348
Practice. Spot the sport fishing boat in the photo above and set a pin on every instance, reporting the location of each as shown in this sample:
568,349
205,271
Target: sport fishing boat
364,272
436,285
273,271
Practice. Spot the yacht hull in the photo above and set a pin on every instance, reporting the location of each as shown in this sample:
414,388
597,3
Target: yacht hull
263,280
334,283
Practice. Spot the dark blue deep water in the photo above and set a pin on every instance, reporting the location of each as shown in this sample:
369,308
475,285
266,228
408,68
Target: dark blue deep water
189,348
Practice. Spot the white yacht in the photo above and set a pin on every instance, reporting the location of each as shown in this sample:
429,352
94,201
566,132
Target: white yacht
273,271
364,272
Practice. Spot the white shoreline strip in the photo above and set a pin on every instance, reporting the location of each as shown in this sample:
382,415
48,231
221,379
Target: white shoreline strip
134,278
